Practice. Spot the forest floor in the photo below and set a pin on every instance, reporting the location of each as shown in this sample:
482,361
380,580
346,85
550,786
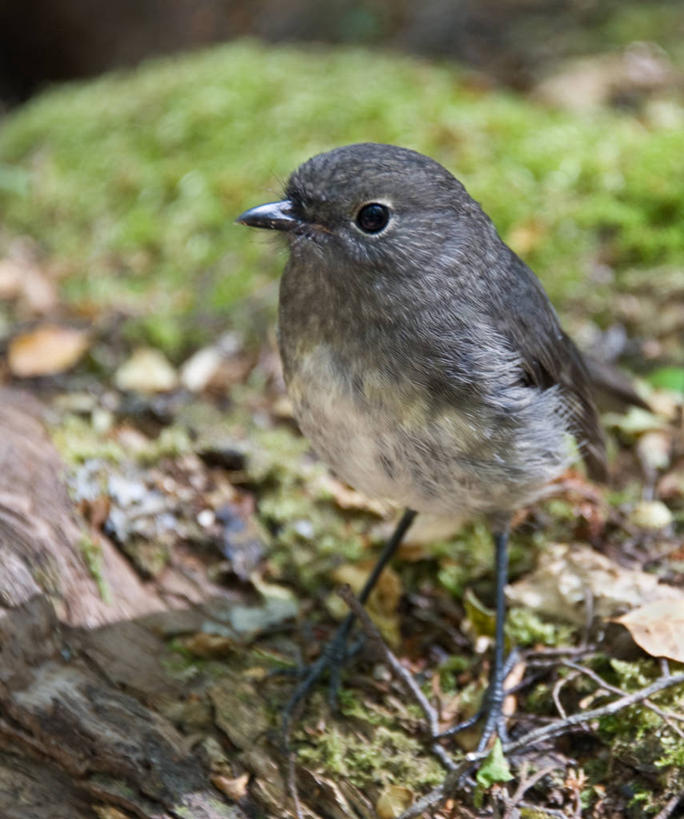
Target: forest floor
206,538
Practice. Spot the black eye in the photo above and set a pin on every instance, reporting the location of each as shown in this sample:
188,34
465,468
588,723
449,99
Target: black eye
373,218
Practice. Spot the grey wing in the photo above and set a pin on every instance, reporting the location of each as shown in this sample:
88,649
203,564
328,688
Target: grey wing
549,357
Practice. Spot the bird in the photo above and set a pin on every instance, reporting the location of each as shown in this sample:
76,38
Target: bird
423,358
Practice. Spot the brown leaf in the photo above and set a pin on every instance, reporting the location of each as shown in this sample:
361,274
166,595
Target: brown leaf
47,350
147,370
570,574
383,603
658,628
235,788
393,801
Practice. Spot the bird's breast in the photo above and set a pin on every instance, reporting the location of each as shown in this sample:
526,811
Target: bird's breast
385,437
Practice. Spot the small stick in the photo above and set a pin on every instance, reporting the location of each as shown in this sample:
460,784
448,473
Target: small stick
525,784
560,727
539,734
292,784
665,716
670,806
371,631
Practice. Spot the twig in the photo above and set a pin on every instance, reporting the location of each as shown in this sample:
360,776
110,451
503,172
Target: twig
562,726
371,631
430,800
568,723
539,734
558,651
670,806
525,784
555,693
292,784
665,716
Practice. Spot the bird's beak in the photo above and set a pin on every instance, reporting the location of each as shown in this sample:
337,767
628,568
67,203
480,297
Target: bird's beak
274,216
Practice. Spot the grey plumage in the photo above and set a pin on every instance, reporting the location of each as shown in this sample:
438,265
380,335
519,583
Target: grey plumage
425,363
423,358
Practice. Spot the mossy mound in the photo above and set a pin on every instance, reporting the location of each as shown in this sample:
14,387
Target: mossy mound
131,183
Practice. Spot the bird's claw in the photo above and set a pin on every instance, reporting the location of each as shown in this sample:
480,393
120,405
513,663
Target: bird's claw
495,720
334,656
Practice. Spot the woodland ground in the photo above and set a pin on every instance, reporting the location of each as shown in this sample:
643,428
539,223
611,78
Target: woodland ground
143,319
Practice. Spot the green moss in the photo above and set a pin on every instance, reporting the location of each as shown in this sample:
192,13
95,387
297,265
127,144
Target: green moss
92,555
526,628
78,441
131,182
468,556
378,755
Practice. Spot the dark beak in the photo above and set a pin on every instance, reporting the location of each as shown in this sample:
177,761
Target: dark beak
274,216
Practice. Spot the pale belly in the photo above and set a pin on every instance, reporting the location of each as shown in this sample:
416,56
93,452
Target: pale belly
393,446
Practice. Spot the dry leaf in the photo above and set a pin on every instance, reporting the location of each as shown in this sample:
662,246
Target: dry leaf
658,628
383,603
47,350
234,788
206,645
653,449
147,370
651,515
199,370
393,801
570,574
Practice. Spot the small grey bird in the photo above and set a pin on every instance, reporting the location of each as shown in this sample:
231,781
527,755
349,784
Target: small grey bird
423,358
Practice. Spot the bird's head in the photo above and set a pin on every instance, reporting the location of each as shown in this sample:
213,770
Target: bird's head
368,206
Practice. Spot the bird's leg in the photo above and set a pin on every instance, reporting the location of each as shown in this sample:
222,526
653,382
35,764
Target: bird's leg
495,722
492,706
336,652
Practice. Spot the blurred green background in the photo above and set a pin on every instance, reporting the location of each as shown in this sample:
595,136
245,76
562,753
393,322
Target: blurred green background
127,185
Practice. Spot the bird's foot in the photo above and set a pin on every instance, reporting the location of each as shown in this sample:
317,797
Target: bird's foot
491,709
335,655
495,719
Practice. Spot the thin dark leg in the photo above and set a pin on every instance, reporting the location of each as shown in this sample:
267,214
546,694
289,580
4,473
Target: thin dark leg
335,652
495,722
492,705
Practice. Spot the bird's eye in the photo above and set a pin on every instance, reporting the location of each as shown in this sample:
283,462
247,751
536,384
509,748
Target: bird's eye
373,217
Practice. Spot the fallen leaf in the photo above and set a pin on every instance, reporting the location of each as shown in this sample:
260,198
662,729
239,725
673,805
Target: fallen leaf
346,497
383,603
198,371
393,801
658,628
234,788
570,574
279,604
671,485
148,371
653,449
651,515
47,350
207,645
585,83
